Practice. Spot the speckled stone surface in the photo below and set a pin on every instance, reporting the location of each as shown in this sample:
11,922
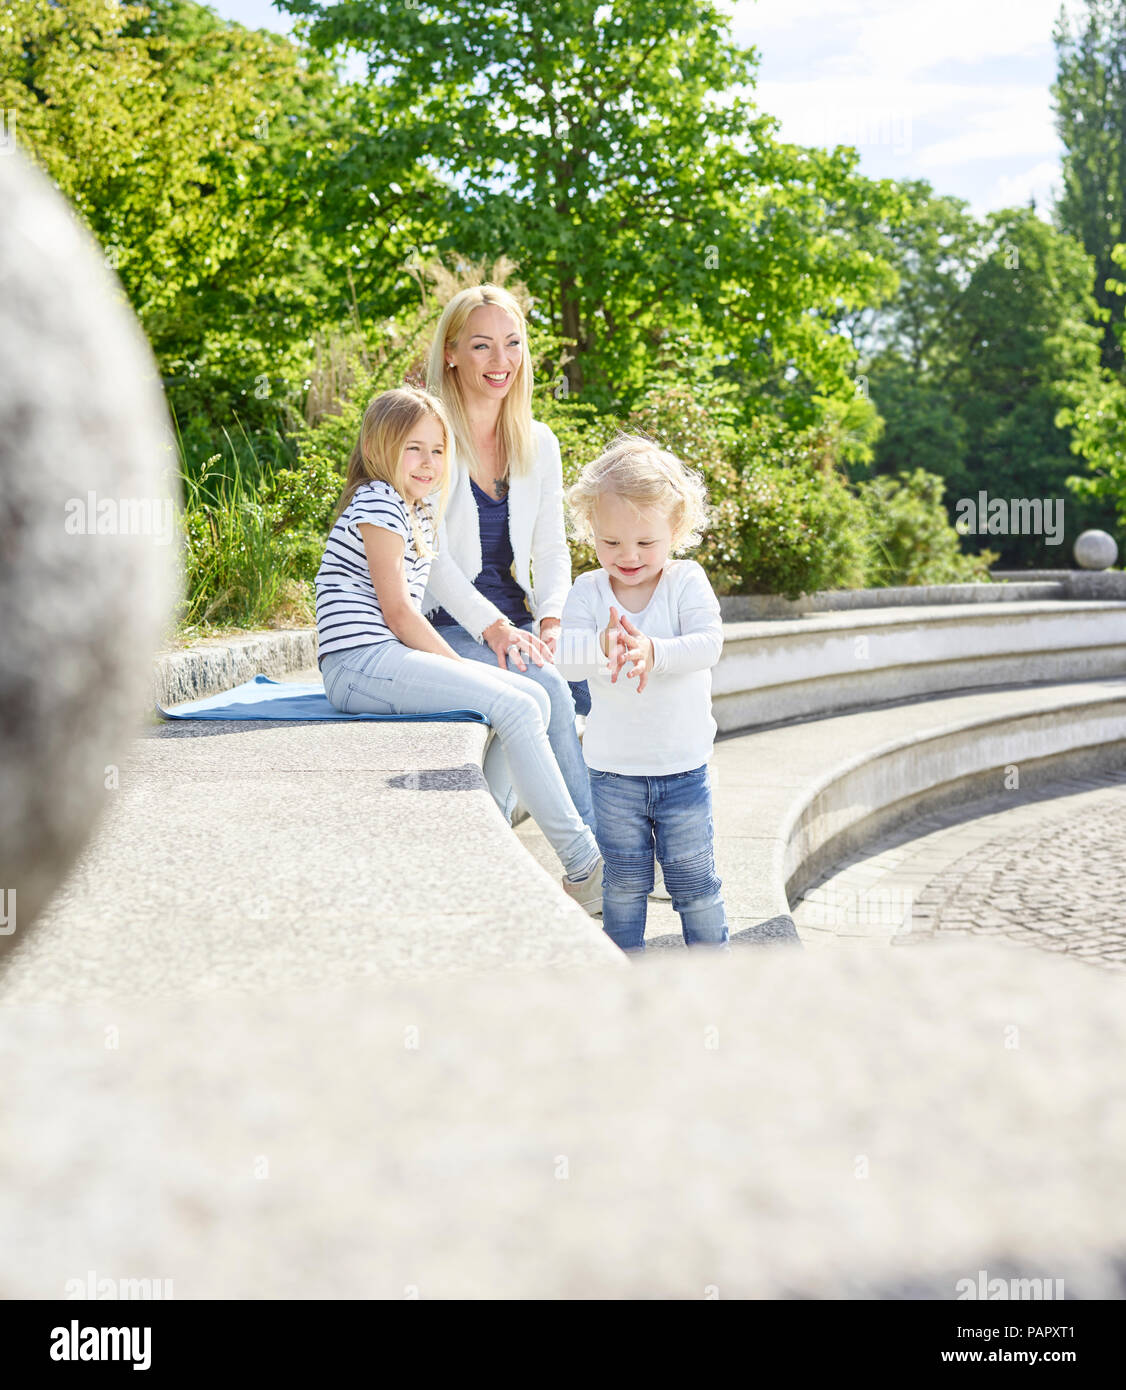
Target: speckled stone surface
87,499
773,1123
212,665
263,856
1095,550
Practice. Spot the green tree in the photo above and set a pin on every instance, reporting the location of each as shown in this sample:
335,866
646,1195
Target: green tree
1029,349
1090,103
989,336
240,191
614,152
908,346
910,535
1097,419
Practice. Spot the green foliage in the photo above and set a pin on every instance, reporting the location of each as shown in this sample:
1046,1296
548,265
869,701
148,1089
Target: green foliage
796,525
1031,350
239,569
240,191
601,145
910,536
1097,418
275,228
922,423
1090,97
990,338
782,516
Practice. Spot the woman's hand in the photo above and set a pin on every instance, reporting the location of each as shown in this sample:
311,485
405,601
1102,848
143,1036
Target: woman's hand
506,640
638,649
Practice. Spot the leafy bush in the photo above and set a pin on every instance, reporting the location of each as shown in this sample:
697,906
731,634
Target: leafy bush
794,523
783,517
910,536
583,433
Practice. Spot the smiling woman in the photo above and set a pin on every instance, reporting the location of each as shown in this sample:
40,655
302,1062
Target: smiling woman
503,571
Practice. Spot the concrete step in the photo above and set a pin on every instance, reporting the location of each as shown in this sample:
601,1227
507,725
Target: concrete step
794,799
833,662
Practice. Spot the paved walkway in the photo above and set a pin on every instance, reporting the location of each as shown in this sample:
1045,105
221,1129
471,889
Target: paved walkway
1041,868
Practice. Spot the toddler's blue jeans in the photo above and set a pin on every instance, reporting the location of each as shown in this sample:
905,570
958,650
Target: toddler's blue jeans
673,815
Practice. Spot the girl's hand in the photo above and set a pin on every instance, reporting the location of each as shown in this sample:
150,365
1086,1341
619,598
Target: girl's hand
549,634
639,650
506,640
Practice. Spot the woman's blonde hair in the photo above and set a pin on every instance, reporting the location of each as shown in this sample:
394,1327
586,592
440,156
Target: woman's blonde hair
378,453
651,479
514,424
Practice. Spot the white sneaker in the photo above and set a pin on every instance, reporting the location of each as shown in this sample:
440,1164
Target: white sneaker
588,893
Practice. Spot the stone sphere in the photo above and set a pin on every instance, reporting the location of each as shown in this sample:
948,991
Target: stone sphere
89,498
1095,550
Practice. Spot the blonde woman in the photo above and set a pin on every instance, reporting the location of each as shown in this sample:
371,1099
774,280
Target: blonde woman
503,571
377,652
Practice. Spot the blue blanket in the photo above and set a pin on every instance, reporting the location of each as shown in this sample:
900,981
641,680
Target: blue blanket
263,698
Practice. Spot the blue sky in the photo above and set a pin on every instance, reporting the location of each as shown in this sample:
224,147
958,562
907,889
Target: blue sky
956,92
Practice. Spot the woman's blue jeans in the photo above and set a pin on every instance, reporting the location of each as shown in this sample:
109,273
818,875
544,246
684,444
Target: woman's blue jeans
390,678
672,815
561,731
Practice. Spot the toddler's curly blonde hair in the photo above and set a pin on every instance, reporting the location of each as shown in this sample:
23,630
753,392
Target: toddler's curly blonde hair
649,477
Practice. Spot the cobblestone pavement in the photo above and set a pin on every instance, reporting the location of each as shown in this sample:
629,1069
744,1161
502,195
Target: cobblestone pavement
1043,869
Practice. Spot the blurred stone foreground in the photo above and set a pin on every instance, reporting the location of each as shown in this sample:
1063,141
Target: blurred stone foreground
871,1124
866,1123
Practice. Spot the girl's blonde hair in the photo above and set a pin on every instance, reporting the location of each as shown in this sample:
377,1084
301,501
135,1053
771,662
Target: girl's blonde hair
378,453
514,424
651,479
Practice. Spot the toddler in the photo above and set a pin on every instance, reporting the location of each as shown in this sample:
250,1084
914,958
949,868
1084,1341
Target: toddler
650,731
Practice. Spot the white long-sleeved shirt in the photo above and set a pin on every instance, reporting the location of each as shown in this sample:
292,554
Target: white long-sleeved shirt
669,726
541,560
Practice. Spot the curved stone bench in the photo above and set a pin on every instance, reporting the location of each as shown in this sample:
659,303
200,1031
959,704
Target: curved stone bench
739,608
787,803
792,800
277,856
216,664
830,662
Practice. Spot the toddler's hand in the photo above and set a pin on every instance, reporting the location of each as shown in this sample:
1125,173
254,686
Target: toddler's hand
610,639
637,648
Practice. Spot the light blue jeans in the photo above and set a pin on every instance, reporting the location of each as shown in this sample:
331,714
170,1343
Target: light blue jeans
672,814
561,732
390,678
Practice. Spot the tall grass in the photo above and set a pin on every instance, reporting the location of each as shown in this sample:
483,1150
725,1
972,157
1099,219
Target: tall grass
239,568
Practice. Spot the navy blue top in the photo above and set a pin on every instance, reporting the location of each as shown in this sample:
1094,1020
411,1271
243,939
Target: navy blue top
495,580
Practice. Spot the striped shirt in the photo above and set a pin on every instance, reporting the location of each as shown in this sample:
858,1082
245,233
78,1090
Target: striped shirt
348,612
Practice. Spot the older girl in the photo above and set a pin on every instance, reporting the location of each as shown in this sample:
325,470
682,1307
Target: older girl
377,652
499,581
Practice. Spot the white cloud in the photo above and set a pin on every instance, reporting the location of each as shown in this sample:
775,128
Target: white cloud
883,75
1043,182
906,36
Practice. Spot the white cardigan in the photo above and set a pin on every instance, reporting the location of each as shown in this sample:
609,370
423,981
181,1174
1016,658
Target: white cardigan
535,527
